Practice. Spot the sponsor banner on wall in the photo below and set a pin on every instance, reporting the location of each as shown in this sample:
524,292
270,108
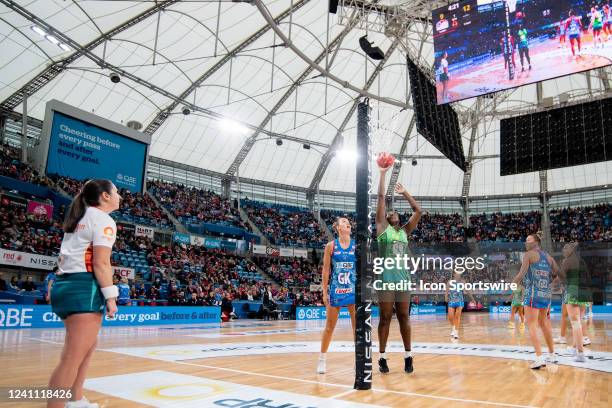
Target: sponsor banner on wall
196,240
124,272
229,245
40,209
315,288
128,228
427,310
14,201
507,309
272,251
286,252
213,243
25,260
499,309
319,313
497,257
260,249
181,238
300,253
41,316
144,231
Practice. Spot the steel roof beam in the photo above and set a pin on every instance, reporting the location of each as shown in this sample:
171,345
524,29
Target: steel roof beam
161,116
53,70
326,159
250,142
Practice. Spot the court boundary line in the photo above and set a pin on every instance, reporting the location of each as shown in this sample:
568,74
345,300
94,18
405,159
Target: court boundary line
405,393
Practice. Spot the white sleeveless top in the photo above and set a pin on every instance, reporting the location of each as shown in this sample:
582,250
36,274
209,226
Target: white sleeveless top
76,253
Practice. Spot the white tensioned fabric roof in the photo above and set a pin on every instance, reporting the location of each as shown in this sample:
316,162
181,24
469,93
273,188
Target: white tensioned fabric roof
248,86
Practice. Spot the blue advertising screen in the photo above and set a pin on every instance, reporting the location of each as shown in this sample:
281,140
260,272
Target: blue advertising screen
81,150
485,46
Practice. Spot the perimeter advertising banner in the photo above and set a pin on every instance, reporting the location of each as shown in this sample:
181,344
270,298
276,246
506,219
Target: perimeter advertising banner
144,231
181,238
124,272
26,260
41,316
319,312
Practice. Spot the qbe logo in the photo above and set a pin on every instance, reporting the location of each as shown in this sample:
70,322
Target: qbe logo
12,317
494,309
125,179
311,314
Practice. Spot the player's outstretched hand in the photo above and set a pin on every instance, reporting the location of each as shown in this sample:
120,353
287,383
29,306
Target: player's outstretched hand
399,188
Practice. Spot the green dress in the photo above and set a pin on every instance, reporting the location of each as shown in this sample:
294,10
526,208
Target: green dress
575,293
391,243
517,297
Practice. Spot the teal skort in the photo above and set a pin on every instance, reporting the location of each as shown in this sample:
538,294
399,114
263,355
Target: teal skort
76,293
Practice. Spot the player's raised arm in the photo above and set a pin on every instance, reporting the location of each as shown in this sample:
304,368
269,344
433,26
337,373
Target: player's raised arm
381,216
416,209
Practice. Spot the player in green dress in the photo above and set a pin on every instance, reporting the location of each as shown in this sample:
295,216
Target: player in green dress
517,306
523,47
575,274
393,241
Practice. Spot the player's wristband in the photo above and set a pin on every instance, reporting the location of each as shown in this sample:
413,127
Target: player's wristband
110,292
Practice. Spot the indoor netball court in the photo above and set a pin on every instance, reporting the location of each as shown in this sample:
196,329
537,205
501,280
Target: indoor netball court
272,363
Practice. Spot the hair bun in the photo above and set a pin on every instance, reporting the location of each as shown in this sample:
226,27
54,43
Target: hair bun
540,234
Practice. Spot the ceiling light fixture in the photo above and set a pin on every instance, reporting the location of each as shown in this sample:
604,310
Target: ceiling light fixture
52,39
38,31
229,125
347,154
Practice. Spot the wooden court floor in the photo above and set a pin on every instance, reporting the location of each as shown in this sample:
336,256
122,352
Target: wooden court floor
190,366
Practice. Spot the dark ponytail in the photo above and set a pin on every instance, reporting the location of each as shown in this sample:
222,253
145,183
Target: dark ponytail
88,196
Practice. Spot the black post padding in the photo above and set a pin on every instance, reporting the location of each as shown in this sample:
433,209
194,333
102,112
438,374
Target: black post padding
363,337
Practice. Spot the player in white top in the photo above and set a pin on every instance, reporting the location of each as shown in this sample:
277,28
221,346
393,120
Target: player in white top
84,285
444,75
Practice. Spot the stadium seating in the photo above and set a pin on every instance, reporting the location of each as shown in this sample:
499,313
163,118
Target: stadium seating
286,225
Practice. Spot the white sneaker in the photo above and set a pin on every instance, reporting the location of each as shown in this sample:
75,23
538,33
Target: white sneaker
586,341
82,403
560,340
321,367
538,363
580,358
551,358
